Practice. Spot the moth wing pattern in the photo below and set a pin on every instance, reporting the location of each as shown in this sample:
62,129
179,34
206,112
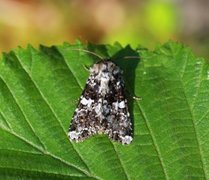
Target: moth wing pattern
102,107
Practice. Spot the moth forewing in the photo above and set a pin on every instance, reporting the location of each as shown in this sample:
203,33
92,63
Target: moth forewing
102,107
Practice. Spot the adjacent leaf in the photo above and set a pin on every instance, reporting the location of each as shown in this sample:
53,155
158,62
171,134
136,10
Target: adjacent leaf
39,90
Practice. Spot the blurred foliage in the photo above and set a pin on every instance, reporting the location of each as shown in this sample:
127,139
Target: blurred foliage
129,22
155,23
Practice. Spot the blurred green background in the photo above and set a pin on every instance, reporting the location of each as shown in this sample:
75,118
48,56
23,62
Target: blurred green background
145,22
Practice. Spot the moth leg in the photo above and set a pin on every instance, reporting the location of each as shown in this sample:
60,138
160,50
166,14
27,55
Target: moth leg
130,94
87,68
137,98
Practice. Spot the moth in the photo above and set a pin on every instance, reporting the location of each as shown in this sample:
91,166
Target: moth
103,107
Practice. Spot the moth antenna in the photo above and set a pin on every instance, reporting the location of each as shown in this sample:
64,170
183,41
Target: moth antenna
100,57
131,57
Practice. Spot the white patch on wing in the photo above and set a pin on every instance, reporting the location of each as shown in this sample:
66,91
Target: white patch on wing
73,135
126,140
122,105
84,101
87,102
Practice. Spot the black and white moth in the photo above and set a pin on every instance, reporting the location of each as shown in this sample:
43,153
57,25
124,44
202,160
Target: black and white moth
102,107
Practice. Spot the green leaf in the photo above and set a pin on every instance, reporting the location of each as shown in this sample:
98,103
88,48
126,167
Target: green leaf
39,90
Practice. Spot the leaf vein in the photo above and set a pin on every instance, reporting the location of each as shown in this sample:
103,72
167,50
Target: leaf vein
5,120
195,130
39,171
22,112
47,153
122,165
54,114
154,141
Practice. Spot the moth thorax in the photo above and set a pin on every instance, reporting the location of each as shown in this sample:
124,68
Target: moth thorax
103,66
104,85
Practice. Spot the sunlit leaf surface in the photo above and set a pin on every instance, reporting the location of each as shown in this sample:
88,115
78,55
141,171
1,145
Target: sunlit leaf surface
39,90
